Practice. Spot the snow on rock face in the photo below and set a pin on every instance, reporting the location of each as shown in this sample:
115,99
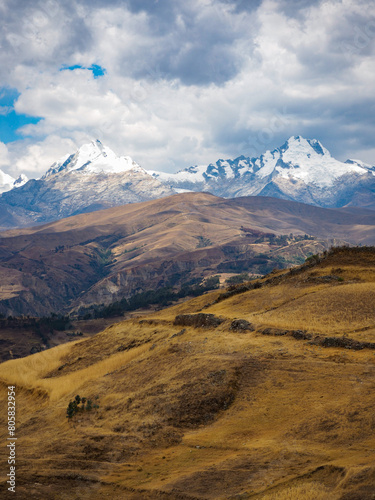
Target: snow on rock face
90,179
308,161
93,158
298,159
20,181
301,170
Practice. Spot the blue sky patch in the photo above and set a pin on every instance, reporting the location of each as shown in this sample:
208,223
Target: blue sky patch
10,120
8,96
97,70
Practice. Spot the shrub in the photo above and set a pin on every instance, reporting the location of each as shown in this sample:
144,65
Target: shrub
79,405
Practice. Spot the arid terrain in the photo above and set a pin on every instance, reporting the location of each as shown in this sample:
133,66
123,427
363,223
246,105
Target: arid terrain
101,257
262,391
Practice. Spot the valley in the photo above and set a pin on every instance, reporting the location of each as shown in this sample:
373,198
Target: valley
119,253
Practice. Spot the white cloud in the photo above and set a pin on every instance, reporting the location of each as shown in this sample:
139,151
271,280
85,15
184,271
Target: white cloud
189,82
4,157
35,158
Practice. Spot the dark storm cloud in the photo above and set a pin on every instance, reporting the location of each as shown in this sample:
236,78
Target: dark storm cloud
30,32
200,66
296,8
351,37
243,5
193,43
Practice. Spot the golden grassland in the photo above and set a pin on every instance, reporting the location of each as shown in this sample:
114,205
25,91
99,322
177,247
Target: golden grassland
210,413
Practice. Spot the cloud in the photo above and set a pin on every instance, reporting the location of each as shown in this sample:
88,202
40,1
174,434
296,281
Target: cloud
189,82
34,158
4,156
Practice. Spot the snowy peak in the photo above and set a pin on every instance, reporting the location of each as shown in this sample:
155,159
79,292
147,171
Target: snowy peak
93,178
301,170
20,181
7,182
93,158
304,160
300,145
362,164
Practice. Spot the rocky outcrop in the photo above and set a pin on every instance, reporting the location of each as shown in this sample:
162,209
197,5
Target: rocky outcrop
199,320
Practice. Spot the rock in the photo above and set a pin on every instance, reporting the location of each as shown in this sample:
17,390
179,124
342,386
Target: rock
239,325
198,320
300,335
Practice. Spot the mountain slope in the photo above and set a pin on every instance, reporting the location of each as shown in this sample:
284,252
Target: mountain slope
300,170
107,255
248,404
91,179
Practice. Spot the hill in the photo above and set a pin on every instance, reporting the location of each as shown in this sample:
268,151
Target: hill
264,391
174,242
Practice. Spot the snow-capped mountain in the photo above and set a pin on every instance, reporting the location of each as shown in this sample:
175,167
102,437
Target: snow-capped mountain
7,182
93,158
93,178
90,179
301,170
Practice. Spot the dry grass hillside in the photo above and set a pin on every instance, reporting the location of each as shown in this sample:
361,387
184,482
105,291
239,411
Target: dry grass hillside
264,391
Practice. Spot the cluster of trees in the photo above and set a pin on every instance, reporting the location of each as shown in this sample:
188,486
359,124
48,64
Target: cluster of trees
162,297
237,279
260,264
44,323
79,405
285,239
42,327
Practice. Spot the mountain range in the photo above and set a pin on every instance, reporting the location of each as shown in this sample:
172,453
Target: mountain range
94,178
300,170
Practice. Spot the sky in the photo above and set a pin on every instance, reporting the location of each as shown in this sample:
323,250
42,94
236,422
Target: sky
174,83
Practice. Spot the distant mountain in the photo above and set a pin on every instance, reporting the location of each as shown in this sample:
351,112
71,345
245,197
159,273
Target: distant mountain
7,182
94,178
301,170
91,179
118,253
